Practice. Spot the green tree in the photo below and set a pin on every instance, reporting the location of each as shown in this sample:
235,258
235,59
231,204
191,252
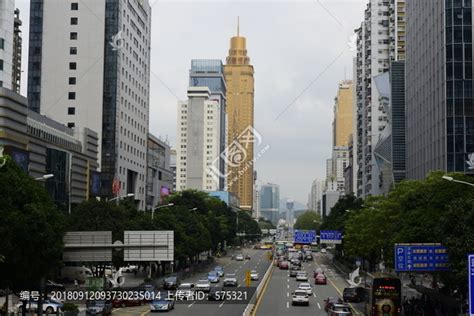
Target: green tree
338,215
265,223
31,230
308,221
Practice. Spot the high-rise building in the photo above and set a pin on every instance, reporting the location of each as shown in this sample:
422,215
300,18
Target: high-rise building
198,141
342,123
380,39
439,87
98,78
240,117
270,202
17,49
173,166
314,201
7,17
210,73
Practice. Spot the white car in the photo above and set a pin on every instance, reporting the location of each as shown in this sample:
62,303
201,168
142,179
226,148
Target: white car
305,286
300,297
231,280
49,306
185,291
302,276
239,257
323,250
254,275
203,285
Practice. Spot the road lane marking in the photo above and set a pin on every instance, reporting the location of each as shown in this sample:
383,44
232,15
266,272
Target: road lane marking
314,294
319,306
287,294
191,304
287,304
287,286
221,304
116,309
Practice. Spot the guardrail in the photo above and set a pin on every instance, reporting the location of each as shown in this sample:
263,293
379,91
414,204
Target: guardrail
250,309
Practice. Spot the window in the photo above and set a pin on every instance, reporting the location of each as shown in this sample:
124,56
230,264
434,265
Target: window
71,111
71,125
2,43
73,66
73,50
72,80
73,36
1,64
72,95
74,6
73,21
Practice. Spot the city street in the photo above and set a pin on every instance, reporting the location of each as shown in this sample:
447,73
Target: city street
258,261
277,295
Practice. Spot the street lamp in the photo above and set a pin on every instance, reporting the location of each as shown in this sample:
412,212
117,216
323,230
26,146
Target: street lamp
158,207
193,209
448,178
121,196
45,177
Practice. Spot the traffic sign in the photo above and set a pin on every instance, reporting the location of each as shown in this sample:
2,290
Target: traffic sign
330,237
421,257
248,279
304,236
470,274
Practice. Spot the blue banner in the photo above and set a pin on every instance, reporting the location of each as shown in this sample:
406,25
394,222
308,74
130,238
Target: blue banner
330,237
421,257
470,274
304,236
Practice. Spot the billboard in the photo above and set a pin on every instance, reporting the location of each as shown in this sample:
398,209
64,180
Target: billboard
148,245
330,237
304,236
421,257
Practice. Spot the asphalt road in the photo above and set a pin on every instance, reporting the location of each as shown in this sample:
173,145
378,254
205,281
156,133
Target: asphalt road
258,261
277,295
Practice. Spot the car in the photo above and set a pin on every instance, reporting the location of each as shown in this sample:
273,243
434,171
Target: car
220,270
293,272
283,265
317,271
254,275
302,276
354,294
129,268
98,307
213,277
171,283
216,294
320,279
323,250
308,256
49,306
149,288
330,301
185,291
305,286
231,280
127,302
247,257
295,262
239,257
300,297
339,310
203,285
162,304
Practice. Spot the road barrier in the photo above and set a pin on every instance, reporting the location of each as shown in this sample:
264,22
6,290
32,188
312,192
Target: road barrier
250,309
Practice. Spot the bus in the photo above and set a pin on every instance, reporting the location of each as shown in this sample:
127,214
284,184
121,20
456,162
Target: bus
385,298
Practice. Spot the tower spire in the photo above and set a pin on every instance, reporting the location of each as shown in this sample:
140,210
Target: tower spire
238,26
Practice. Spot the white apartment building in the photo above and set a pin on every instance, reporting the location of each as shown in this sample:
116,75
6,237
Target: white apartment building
198,139
7,9
89,66
314,200
378,42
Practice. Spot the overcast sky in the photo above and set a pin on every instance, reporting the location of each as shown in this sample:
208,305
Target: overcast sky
300,51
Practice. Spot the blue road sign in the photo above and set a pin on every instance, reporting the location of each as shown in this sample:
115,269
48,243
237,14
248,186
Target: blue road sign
304,236
330,237
470,266
421,257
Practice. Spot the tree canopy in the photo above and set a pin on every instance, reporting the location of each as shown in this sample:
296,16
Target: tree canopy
308,221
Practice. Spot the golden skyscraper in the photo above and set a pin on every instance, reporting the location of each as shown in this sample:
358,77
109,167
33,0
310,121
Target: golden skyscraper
342,124
240,97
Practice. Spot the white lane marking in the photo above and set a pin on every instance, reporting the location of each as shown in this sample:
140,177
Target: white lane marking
319,306
221,304
287,286
287,294
287,304
191,304
314,294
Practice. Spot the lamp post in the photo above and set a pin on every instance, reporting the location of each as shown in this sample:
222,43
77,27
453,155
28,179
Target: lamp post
448,178
118,198
158,207
45,177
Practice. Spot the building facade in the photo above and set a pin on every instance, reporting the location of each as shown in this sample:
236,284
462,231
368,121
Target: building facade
380,39
439,98
314,200
240,115
100,80
17,51
7,18
159,174
198,141
270,202
210,73
42,146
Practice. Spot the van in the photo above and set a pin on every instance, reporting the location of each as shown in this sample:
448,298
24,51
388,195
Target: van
76,273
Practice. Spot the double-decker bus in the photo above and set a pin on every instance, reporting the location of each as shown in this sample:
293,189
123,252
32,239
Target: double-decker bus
385,298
